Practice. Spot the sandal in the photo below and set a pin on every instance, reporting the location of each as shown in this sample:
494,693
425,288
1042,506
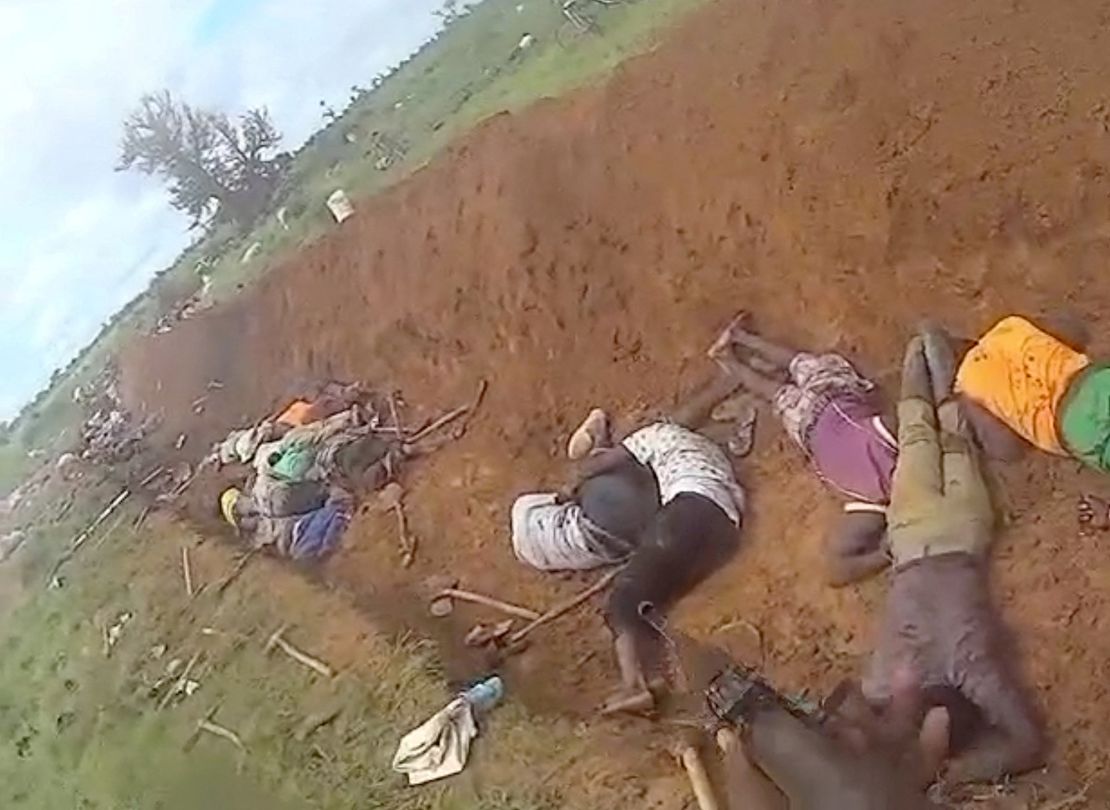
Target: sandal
593,432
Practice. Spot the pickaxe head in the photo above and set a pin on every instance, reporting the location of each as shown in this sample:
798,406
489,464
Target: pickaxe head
275,637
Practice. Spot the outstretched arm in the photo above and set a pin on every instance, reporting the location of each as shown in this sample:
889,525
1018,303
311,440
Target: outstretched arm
841,570
855,548
993,436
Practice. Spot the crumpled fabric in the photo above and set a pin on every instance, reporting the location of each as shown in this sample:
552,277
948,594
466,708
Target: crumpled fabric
554,536
240,446
440,747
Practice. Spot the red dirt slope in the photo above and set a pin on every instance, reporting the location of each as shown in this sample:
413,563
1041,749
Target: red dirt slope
841,170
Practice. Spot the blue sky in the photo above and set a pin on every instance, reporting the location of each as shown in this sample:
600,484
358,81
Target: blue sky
77,239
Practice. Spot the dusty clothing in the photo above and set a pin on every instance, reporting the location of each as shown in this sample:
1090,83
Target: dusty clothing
939,621
939,501
363,457
600,527
1085,417
299,412
555,536
1020,374
297,456
309,535
333,399
686,462
281,499
690,538
831,412
240,446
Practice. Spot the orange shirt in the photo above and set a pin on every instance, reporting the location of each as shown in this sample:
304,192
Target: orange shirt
298,413
1020,374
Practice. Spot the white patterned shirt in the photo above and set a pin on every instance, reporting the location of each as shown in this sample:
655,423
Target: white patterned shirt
685,461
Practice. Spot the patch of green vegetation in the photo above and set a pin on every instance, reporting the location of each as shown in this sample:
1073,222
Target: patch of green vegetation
81,727
473,70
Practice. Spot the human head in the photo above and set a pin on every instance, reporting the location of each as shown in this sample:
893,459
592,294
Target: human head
1067,327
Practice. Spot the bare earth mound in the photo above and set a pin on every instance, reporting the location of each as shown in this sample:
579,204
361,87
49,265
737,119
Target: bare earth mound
839,169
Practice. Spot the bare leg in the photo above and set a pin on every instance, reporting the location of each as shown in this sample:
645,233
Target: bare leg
750,379
694,411
737,335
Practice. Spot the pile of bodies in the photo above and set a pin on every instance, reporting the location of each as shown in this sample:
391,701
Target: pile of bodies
666,505
305,467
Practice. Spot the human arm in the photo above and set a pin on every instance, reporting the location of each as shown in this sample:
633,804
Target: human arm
600,462
866,762
995,438
855,548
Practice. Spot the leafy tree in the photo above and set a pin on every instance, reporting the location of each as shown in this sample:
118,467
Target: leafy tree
217,170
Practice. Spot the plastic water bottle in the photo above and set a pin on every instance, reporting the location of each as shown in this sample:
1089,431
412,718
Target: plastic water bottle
486,694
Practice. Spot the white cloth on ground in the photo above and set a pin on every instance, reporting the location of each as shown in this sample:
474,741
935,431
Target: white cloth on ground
440,746
685,461
554,536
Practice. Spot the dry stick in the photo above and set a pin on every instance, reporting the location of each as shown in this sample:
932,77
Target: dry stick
446,419
566,607
141,518
1068,801
153,474
408,542
483,386
300,656
103,516
179,684
237,570
488,601
108,532
397,426
184,484
187,571
86,533
206,724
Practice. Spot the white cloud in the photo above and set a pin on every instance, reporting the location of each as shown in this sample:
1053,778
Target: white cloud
78,239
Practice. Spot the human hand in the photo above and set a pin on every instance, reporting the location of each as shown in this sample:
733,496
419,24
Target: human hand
860,759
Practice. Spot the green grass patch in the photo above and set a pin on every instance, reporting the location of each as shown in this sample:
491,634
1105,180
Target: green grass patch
82,728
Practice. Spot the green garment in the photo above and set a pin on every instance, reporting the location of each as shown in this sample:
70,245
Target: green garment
1085,417
294,460
939,503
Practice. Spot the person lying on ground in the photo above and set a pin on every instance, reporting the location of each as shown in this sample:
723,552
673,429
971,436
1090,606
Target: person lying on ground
834,415
242,444
343,448
598,522
323,402
858,759
1026,384
939,621
319,402
694,533
309,535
